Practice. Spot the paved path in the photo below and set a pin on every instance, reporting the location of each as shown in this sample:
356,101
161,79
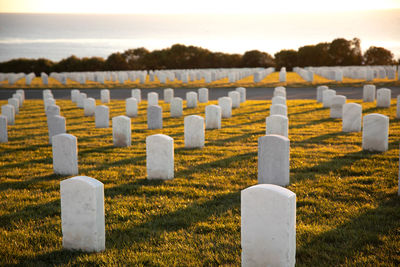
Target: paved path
214,93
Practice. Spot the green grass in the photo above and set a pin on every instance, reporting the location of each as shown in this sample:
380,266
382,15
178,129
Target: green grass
348,211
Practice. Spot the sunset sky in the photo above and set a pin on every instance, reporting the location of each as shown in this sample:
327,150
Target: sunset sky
202,7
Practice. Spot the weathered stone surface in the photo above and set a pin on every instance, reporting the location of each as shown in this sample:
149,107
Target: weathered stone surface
15,103
351,120
213,117
226,106
327,96
320,90
131,106
152,99
8,111
49,102
89,106
81,100
191,100
277,124
369,93
3,129
337,103
279,100
22,93
398,107
176,107
160,157
168,95
154,117
52,110
235,96
82,214
75,95
65,154
121,131
56,125
383,97
242,92
268,226
375,132
136,93
105,96
280,91
273,160
278,109
102,116
203,95
194,131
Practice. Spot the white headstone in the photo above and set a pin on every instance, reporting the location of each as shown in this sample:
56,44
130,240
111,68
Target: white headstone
203,95
194,131
154,117
273,160
327,96
8,111
191,100
3,129
383,97
320,90
280,91
81,100
277,124
52,110
137,94
65,154
160,157
75,95
168,95
351,118
226,106
369,93
102,116
105,96
176,107
56,125
22,93
131,105
235,96
242,92
152,99
278,109
121,131
268,226
15,103
89,106
398,107
82,214
279,100
213,117
375,132
282,75
337,103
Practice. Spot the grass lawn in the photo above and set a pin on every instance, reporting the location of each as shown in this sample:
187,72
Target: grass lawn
348,211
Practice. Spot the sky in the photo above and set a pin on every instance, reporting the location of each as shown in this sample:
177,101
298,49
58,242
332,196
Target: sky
199,7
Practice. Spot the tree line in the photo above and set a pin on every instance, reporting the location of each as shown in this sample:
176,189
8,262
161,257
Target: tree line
339,52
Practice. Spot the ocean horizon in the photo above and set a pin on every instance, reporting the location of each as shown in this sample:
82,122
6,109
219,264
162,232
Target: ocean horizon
58,36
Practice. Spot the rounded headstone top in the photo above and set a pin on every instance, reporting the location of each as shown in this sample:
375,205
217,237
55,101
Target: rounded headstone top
85,180
159,137
276,137
271,189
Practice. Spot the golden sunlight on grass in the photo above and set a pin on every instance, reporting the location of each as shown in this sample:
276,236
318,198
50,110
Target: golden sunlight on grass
347,203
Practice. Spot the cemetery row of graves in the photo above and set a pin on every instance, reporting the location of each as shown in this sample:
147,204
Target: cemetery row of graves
206,77
199,182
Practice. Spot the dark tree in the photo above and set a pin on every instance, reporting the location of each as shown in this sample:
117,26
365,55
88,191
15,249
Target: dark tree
345,52
286,58
135,58
255,58
378,56
116,61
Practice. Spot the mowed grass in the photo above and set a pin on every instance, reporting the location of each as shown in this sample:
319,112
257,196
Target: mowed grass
348,211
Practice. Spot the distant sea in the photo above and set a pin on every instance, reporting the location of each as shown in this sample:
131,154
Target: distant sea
57,36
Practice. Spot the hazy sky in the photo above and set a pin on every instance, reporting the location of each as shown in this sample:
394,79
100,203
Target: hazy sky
184,6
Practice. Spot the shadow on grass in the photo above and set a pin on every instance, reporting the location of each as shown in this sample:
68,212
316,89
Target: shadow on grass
340,245
28,148
173,221
315,122
24,184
